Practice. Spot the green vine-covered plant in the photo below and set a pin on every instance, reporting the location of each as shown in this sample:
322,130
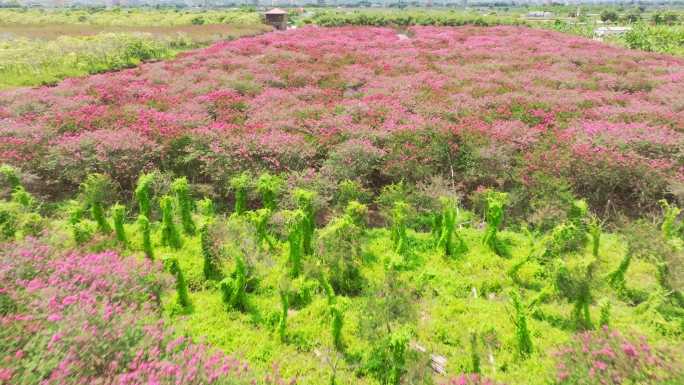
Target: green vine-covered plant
181,189
449,241
169,233
23,197
305,203
240,185
210,268
282,323
182,296
523,338
259,218
595,230
206,207
575,286
295,239
145,231
669,226
95,189
119,216
143,194
494,213
357,212
233,289
399,216
269,186
9,173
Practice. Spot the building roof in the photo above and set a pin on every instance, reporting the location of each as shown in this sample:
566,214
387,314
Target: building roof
276,11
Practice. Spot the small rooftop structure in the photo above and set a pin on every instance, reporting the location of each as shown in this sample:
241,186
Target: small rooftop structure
277,18
540,15
608,31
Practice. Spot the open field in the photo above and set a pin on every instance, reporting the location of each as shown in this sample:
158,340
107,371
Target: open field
351,205
43,47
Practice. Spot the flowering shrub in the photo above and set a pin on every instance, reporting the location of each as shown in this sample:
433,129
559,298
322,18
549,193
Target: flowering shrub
481,106
75,319
607,357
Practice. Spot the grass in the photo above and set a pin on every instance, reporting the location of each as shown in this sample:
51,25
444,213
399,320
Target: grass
454,298
40,47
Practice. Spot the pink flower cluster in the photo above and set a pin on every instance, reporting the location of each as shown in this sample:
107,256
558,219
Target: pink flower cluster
608,358
85,319
522,100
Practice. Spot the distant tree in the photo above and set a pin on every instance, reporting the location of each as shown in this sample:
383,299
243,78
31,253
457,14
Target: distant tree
608,16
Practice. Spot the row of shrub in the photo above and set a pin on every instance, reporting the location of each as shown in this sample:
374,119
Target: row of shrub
403,18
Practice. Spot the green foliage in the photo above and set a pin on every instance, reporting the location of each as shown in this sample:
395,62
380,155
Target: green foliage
182,296
269,186
474,354
211,263
616,278
595,230
609,16
143,194
357,212
9,174
181,189
295,239
23,197
336,327
669,227
338,248
449,241
523,339
9,222
494,213
95,189
575,286
305,203
119,216
604,318
144,228
240,185
282,323
206,207
347,191
169,233
398,230
233,289
388,359
260,218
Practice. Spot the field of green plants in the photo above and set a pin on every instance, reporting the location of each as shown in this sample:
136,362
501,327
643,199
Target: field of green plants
477,204
39,47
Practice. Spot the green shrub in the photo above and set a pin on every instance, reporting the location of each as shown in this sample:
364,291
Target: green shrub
523,339
260,219
575,286
494,214
96,188
269,186
449,241
10,177
240,184
339,249
182,296
206,207
21,196
305,203
211,262
398,229
119,216
295,237
144,228
233,289
181,189
282,323
143,194
169,233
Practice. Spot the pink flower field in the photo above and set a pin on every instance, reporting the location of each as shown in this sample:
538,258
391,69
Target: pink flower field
497,106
